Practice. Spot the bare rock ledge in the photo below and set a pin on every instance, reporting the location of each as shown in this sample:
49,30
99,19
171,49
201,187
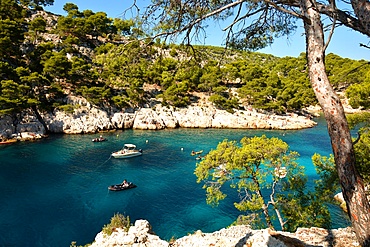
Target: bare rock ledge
90,119
141,235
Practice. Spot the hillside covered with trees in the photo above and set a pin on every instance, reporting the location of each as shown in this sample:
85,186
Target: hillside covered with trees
45,57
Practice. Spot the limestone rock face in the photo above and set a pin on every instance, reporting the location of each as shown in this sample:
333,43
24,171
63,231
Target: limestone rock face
123,120
138,235
84,119
234,236
81,121
27,127
87,118
210,117
167,116
195,117
6,127
148,119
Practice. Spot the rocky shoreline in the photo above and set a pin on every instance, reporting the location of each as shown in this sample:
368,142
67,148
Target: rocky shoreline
140,234
88,119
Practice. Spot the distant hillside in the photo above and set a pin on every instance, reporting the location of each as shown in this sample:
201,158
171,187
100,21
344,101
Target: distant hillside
108,62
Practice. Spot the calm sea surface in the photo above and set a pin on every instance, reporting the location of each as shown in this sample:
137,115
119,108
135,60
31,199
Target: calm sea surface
54,191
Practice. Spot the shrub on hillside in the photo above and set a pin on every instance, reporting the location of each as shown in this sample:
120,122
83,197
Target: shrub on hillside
117,221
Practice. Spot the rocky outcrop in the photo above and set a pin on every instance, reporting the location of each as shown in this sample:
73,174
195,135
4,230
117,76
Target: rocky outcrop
138,235
141,235
6,127
24,127
87,118
91,120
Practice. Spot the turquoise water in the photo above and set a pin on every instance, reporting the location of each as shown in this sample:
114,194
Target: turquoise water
54,191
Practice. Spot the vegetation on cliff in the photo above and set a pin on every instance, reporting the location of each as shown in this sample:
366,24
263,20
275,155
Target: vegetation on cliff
46,57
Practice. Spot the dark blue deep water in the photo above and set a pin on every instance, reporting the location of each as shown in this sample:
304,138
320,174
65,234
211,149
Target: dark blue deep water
54,191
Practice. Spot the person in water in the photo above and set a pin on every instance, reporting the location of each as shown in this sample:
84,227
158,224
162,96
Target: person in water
124,183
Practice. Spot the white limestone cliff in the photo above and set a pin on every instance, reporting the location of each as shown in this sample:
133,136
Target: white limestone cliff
140,235
89,119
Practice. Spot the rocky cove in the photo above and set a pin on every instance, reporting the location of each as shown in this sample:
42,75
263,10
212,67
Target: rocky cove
88,119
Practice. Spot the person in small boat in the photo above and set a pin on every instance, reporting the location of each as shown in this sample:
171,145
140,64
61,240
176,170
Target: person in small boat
124,183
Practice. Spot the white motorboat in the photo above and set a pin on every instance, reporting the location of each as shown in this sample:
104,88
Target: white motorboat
128,151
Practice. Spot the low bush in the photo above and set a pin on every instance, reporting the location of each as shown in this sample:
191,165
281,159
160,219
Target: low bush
117,221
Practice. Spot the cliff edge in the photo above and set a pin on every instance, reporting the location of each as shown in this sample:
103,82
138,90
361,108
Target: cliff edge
235,236
88,119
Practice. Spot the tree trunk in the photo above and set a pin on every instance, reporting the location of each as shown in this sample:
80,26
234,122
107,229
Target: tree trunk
362,11
264,206
351,183
41,120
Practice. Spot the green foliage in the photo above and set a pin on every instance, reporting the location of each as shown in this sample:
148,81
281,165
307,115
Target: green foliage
344,71
362,150
211,77
352,75
252,220
121,101
217,99
37,55
11,31
189,74
328,183
119,68
13,97
310,207
176,95
228,104
361,121
57,65
125,68
96,95
280,86
68,108
162,72
305,210
79,24
268,180
80,71
36,26
248,168
123,27
117,221
122,63
74,244
98,24
359,94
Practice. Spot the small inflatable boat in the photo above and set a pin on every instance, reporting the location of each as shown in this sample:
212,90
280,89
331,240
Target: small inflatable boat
119,187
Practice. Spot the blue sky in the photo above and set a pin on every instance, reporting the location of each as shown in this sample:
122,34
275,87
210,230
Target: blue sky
345,42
